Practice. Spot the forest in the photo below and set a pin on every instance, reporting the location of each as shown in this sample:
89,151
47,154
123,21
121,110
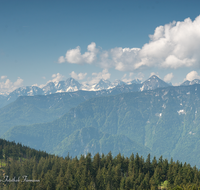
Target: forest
23,168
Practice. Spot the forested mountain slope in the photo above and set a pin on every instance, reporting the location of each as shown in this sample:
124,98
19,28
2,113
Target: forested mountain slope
164,120
36,108
24,168
45,108
39,109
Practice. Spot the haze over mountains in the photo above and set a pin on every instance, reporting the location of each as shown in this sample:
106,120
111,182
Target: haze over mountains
149,117
43,108
71,85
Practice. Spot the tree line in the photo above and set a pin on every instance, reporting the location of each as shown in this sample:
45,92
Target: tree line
98,172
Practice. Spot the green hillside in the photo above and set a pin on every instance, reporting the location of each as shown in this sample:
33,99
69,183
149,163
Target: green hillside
90,139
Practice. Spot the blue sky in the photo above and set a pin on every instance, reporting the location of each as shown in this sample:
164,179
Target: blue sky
43,41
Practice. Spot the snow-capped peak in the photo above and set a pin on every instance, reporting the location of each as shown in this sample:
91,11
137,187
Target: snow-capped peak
152,83
187,82
103,84
118,82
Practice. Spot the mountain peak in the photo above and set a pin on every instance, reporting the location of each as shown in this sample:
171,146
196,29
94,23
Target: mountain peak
104,81
118,82
136,81
187,82
103,84
154,77
152,83
71,80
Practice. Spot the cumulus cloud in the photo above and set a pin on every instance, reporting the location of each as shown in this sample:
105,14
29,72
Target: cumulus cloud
102,75
36,85
131,76
154,74
168,77
18,82
75,56
96,77
3,77
56,78
79,76
192,75
172,45
140,76
8,86
61,59
127,78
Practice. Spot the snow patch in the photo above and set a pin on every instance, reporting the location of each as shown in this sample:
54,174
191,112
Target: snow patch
159,114
30,93
59,91
181,112
142,88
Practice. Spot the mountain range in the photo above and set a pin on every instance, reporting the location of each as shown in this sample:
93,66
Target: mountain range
71,85
126,118
33,108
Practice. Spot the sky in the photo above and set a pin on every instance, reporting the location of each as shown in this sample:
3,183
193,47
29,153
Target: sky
89,40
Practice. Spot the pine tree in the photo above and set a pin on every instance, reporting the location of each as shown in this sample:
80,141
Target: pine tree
99,180
96,164
116,176
122,184
1,154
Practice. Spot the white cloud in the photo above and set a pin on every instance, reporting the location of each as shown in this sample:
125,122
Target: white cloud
131,76
98,76
8,86
61,59
79,76
172,45
56,78
35,85
192,75
102,75
140,76
18,82
124,58
168,77
127,78
3,77
75,56
154,74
